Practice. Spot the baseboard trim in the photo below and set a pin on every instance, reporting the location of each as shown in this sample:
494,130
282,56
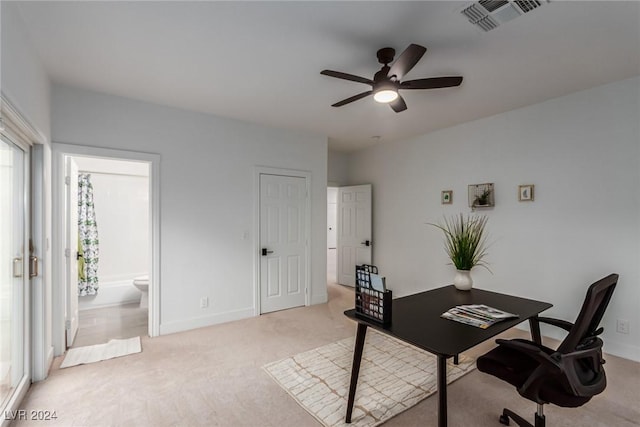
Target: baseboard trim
203,321
49,362
625,351
319,299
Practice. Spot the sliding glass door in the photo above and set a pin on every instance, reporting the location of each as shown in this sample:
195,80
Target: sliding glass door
13,272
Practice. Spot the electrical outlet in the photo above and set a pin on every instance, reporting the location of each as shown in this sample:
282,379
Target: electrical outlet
622,326
204,302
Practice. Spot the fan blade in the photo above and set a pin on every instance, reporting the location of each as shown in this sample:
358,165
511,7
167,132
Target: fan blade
398,105
406,61
345,76
432,83
353,98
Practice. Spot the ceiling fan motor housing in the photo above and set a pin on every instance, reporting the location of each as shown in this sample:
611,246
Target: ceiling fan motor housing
386,54
386,84
382,75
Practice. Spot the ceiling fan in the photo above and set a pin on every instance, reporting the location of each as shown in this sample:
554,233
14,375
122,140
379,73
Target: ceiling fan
387,81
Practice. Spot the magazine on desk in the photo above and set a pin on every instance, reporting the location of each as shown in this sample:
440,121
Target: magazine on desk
478,315
371,297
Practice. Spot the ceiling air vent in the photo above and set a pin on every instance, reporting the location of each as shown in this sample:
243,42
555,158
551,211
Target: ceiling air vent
489,14
493,5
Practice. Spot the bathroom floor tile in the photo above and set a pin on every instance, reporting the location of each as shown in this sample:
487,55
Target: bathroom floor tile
100,325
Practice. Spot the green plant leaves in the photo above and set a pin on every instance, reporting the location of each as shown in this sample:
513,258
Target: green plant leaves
465,240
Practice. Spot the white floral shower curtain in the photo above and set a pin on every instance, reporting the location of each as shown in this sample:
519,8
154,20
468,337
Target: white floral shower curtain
88,238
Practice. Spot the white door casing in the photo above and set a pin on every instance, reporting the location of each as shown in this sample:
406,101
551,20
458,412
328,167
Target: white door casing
332,213
283,242
354,231
59,238
71,251
14,274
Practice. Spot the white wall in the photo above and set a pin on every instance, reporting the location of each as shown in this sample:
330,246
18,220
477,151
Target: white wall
24,81
337,168
582,153
121,198
207,166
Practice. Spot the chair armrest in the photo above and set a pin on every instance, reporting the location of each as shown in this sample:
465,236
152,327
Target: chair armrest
570,361
560,364
563,324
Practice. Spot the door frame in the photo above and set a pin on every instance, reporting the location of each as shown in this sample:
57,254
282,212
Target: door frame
340,224
71,234
60,150
265,170
20,389
19,131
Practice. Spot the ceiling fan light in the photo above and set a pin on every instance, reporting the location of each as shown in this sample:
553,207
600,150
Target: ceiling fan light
385,96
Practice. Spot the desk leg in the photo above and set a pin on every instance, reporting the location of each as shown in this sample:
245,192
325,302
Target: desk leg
534,325
442,391
355,368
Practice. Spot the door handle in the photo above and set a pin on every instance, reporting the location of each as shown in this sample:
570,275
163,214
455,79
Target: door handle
17,267
366,243
33,266
265,252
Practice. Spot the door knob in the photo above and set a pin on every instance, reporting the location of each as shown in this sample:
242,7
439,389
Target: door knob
265,252
366,243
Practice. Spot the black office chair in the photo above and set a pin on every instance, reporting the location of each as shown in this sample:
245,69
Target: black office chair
569,376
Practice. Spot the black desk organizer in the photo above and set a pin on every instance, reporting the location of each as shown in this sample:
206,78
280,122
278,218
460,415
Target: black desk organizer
371,304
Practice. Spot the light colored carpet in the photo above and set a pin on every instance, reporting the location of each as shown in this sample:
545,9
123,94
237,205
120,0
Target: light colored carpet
96,353
213,376
394,376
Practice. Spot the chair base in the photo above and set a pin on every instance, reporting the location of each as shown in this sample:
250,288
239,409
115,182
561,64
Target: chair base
509,414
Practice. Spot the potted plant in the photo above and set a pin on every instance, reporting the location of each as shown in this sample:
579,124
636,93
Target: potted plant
483,199
465,244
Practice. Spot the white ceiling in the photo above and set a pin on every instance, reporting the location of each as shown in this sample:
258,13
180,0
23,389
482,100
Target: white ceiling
261,61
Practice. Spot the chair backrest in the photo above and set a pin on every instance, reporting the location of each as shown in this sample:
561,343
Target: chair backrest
585,328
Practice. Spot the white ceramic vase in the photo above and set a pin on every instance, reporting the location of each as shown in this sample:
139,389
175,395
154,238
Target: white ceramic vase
462,280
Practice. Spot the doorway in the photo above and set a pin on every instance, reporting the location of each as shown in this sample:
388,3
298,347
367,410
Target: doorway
124,188
354,231
108,273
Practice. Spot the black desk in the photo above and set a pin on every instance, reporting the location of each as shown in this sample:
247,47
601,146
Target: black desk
416,320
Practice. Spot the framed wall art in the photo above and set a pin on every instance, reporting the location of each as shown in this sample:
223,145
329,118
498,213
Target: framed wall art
481,195
447,197
525,193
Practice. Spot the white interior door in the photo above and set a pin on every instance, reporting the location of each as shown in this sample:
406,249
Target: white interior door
354,231
71,251
283,242
14,336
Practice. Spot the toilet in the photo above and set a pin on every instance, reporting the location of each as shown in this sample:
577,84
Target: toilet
142,283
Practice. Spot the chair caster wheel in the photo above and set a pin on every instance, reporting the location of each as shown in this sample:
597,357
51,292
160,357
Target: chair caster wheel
504,420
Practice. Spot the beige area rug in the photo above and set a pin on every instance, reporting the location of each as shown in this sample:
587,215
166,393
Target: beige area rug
96,353
394,376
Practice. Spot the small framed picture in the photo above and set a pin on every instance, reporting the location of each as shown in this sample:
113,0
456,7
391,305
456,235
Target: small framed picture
481,196
447,197
525,193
